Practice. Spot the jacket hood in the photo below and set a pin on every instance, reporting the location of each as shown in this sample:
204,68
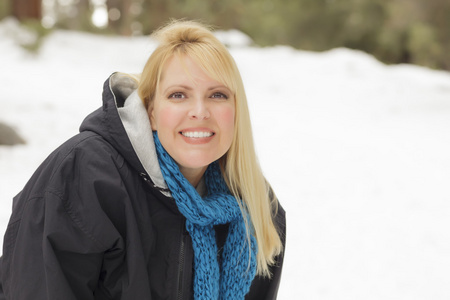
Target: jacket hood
123,122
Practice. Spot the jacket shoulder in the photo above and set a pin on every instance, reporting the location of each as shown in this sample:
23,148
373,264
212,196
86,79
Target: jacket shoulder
71,169
79,145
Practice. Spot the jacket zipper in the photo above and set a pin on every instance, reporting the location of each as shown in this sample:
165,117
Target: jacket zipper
182,254
181,264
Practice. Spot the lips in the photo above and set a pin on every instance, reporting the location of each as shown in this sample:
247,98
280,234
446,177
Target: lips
197,134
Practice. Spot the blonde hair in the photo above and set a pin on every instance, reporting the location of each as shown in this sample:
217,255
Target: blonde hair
239,165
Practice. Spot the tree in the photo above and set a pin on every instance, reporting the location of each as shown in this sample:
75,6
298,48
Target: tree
26,9
120,17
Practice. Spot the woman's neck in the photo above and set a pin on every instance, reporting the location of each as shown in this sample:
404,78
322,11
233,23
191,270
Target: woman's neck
193,175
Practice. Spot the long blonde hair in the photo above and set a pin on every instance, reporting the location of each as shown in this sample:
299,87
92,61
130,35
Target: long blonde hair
239,165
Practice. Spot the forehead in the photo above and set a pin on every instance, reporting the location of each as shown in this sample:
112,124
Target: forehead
182,69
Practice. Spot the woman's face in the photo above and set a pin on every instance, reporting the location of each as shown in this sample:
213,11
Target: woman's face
194,116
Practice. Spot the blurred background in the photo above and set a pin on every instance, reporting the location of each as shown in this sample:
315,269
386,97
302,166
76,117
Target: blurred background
350,107
398,31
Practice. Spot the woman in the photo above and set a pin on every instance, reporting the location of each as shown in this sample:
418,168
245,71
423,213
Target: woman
159,196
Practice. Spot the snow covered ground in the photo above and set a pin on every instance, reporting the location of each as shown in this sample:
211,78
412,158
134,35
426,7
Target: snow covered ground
357,151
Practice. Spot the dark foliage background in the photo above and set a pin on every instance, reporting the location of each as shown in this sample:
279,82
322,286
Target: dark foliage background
394,31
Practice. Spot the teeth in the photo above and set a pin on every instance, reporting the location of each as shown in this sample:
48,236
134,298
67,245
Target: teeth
197,134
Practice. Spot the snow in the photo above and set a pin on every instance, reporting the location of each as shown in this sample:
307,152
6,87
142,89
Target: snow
357,152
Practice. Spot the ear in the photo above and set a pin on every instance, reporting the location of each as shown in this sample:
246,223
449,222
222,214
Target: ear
151,116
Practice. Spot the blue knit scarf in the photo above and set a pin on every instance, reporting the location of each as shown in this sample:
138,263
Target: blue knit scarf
232,279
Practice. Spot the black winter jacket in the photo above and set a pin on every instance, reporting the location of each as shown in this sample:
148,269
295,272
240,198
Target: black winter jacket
96,221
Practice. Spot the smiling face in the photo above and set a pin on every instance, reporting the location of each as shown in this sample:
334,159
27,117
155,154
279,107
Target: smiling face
193,115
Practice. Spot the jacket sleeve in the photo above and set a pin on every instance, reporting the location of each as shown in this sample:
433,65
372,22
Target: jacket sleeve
46,255
264,288
58,235
2,295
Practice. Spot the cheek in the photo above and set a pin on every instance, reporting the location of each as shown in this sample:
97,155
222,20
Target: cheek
167,117
226,117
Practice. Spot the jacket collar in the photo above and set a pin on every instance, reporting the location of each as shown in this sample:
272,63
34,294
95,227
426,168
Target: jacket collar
123,121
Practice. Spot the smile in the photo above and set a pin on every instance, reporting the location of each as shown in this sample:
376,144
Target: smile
197,134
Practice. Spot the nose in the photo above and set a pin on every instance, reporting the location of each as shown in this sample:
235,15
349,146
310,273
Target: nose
199,109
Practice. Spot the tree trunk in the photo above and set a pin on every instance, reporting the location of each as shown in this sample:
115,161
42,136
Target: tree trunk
122,25
26,9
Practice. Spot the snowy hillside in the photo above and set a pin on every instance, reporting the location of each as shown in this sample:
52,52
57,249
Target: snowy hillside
357,152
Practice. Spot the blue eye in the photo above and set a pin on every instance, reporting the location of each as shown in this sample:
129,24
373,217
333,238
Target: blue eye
177,95
219,95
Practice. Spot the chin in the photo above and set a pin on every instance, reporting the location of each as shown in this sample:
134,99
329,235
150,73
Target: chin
197,165
196,162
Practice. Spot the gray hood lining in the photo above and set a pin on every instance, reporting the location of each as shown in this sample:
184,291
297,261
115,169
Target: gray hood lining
136,122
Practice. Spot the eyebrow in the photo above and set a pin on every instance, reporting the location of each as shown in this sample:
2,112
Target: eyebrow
189,88
218,87
186,87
